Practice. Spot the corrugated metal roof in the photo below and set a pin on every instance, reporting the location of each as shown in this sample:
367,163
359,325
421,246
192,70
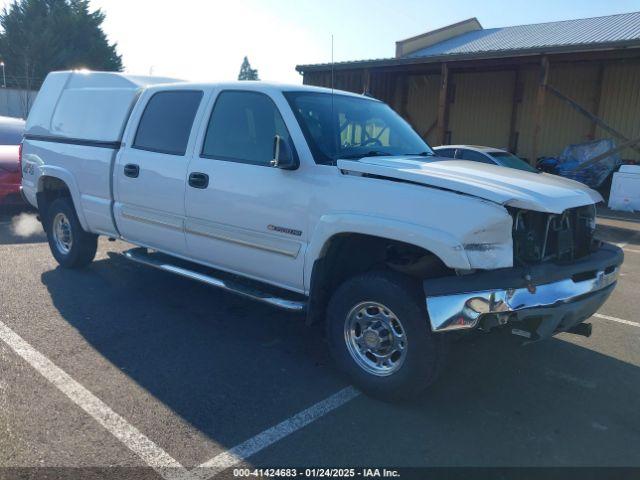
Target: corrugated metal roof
581,34
585,31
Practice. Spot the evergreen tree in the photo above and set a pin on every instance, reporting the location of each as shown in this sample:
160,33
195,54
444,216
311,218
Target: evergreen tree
246,72
40,36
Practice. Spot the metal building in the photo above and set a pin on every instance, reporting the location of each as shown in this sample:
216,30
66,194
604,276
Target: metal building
532,89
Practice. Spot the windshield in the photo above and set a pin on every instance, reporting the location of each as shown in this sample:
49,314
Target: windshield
507,159
340,126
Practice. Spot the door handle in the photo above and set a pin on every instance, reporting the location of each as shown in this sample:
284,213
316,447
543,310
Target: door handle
198,180
132,170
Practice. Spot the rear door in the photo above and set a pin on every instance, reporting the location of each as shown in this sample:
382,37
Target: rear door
151,169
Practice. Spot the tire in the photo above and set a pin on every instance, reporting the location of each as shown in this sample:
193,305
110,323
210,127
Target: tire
61,219
416,366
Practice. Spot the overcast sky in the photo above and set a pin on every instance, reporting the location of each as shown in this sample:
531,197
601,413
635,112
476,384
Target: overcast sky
207,39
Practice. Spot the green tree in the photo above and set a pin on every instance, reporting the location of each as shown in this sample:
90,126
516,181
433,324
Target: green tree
246,72
40,36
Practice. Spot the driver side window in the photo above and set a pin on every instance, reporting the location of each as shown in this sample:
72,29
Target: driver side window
242,128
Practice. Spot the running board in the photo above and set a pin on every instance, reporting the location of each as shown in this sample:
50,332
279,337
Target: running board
189,270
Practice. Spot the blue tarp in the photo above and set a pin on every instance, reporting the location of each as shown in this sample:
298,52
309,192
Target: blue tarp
574,155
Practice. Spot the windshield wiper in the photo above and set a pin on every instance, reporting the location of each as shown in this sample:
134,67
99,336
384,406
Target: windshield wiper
372,153
421,154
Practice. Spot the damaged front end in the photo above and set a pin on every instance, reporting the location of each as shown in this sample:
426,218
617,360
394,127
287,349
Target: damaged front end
540,237
560,276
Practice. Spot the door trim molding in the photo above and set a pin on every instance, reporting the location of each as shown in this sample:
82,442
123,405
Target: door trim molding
243,237
152,219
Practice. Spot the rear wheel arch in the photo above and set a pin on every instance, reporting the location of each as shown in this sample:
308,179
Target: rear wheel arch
52,187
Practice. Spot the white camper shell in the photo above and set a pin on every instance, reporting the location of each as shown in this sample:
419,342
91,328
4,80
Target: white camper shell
90,106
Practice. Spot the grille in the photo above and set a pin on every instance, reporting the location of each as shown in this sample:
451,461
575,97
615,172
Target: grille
540,237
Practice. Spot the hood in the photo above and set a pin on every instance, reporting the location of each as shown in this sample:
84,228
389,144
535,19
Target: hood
541,192
9,158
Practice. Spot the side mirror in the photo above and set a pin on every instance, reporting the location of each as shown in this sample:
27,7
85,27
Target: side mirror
283,155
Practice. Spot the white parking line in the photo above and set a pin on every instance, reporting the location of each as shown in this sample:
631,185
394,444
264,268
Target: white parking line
147,450
615,319
632,250
633,237
137,442
270,436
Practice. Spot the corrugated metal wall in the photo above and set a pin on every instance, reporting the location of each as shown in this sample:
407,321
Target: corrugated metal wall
482,103
349,80
480,113
422,104
620,101
619,105
561,124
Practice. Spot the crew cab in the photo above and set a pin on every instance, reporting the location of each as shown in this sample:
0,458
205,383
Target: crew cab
319,201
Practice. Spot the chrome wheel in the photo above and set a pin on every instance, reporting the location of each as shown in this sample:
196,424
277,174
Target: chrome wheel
62,233
375,338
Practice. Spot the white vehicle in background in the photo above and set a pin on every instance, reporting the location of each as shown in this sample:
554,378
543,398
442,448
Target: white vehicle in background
489,155
317,201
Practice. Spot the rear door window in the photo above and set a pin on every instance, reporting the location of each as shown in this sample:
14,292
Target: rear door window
166,123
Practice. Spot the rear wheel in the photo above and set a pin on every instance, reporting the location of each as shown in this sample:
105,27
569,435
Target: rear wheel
71,246
379,334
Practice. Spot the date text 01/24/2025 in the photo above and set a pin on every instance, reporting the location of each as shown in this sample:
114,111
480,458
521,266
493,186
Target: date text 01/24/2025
316,473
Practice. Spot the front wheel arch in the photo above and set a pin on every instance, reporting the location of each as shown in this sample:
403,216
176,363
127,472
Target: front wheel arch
349,254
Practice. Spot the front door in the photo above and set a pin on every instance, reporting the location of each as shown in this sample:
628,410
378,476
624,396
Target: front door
151,170
251,217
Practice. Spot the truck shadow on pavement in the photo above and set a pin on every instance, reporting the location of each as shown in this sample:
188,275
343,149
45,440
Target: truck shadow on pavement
232,368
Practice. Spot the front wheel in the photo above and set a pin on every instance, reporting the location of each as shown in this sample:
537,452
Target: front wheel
71,246
379,334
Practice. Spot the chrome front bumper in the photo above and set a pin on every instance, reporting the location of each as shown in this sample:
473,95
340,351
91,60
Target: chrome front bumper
586,290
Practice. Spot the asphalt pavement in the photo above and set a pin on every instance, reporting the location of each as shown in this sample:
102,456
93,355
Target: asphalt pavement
93,362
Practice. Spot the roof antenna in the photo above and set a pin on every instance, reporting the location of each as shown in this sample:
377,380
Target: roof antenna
332,63
333,123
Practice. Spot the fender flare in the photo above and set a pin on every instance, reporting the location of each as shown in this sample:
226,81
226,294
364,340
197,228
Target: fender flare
442,244
69,180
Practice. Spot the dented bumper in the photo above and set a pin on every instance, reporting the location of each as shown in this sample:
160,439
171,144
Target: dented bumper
537,301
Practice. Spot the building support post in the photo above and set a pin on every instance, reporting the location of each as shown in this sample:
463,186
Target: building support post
513,134
404,97
596,101
366,81
443,104
539,111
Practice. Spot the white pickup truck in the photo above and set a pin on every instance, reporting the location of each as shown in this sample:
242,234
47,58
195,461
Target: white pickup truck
318,201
